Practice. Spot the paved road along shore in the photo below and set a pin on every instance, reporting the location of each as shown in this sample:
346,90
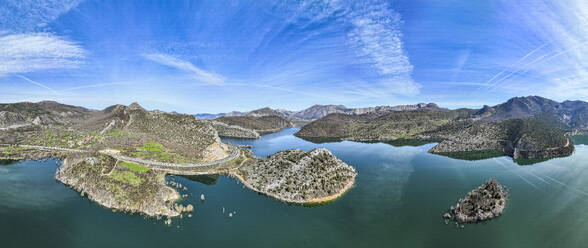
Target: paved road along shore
235,153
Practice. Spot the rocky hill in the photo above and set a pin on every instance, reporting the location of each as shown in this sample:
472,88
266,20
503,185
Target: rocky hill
524,139
130,129
319,111
232,131
518,107
267,111
374,126
41,113
526,128
299,177
574,114
11,120
260,124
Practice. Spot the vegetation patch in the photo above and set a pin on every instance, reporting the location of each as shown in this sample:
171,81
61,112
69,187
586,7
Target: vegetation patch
157,152
127,177
152,147
134,167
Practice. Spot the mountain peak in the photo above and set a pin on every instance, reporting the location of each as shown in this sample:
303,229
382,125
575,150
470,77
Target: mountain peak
135,106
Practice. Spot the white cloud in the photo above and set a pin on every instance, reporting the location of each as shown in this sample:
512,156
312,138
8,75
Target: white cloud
377,38
29,15
197,73
21,53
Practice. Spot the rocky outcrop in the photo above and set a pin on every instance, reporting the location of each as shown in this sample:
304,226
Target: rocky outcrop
483,203
116,187
261,124
233,131
299,177
11,119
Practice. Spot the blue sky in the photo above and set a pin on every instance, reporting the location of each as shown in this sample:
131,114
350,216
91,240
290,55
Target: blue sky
218,56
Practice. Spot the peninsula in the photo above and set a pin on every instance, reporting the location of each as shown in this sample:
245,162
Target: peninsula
296,176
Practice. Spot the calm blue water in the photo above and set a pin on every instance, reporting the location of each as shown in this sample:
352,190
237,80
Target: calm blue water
400,195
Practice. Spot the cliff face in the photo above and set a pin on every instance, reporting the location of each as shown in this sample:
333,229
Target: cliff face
15,115
113,186
10,119
299,177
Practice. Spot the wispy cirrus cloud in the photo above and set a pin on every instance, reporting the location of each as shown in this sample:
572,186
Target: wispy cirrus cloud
28,52
29,15
374,34
337,37
377,38
186,66
559,60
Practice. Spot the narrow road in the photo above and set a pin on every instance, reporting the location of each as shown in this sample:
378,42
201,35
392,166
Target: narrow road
235,153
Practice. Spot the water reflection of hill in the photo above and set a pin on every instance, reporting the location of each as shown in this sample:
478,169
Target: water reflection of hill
395,143
7,162
204,179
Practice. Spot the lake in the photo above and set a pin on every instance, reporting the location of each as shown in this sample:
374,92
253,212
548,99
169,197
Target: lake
399,197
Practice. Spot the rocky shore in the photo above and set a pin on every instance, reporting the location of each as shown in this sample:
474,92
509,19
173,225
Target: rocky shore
103,180
295,176
483,203
521,139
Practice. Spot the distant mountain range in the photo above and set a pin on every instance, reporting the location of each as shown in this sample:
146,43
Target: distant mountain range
319,111
573,114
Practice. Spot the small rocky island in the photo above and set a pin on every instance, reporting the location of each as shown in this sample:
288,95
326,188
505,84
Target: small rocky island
483,203
295,176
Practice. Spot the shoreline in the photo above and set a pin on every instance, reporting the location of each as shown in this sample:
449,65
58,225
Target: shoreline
311,201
